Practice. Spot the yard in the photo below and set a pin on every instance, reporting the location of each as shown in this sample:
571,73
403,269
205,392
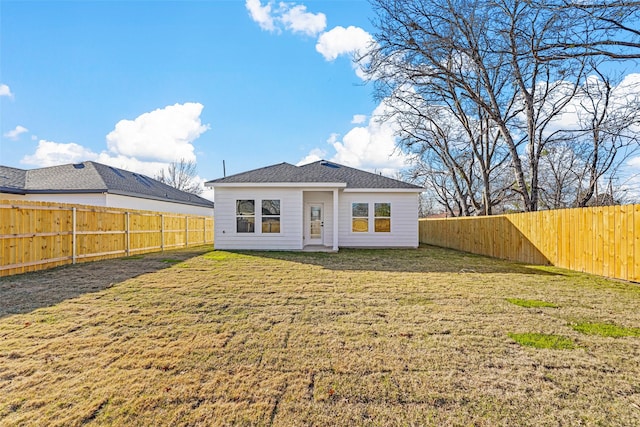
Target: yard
362,337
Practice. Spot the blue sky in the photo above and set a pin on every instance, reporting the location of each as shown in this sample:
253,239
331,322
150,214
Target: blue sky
138,84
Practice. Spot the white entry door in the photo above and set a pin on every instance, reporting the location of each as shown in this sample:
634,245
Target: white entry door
314,224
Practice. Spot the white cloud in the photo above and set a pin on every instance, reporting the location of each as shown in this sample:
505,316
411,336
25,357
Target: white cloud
15,133
145,145
261,14
634,162
579,110
333,138
207,193
371,147
343,41
298,20
630,183
290,16
50,153
162,135
358,119
313,156
5,91
132,164
351,41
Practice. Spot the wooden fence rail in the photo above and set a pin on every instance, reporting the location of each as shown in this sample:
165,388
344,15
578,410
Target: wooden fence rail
601,240
40,235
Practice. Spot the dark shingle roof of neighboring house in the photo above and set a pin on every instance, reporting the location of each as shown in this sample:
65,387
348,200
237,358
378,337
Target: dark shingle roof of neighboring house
12,180
92,177
320,171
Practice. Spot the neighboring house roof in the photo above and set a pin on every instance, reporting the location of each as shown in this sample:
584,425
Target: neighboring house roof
12,180
92,177
318,172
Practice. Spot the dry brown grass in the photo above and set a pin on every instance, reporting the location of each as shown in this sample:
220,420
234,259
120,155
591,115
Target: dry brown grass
386,337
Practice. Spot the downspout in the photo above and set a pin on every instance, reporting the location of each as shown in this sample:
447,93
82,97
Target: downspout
336,224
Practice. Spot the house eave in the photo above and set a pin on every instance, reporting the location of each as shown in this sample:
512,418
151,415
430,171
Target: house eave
112,192
384,190
12,190
75,191
161,199
276,184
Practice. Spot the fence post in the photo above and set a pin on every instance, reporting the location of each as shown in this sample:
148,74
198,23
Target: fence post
162,232
126,232
186,231
73,236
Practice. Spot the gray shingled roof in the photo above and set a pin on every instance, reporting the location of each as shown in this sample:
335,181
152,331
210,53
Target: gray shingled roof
12,180
92,177
320,171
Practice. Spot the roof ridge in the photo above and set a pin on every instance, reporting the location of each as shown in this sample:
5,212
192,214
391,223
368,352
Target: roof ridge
254,170
322,161
320,171
11,167
93,165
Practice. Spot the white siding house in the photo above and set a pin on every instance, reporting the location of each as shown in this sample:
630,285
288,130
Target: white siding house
404,220
319,206
95,184
226,235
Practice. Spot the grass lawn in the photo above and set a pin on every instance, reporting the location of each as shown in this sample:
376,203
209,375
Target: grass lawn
361,337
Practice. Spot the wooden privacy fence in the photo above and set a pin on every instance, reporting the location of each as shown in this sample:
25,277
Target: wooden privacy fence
39,235
601,240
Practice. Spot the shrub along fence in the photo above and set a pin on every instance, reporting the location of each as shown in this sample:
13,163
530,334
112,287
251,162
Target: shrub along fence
39,235
601,240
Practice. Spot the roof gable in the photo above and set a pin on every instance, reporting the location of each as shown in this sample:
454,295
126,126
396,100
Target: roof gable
317,172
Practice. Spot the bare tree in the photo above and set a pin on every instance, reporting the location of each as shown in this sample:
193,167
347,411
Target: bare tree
559,176
599,135
602,28
458,153
474,58
181,175
608,133
482,63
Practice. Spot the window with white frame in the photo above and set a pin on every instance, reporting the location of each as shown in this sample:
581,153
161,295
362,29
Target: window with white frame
271,216
359,217
245,216
382,218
